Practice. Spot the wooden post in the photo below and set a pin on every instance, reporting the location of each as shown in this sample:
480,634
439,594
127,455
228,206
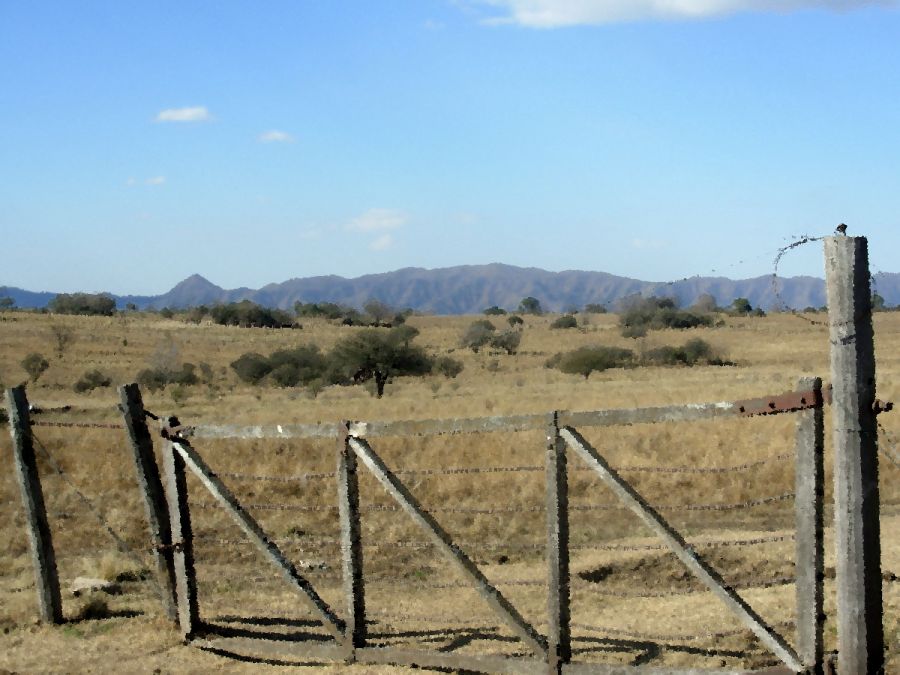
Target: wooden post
351,542
182,544
132,407
809,559
46,578
856,500
559,638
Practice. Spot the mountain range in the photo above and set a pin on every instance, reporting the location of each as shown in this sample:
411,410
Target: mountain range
468,289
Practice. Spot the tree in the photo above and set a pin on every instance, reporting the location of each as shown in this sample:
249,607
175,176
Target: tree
530,305
64,337
877,303
741,306
379,311
378,355
515,321
91,380
594,308
494,311
447,366
131,307
35,365
6,303
478,334
100,304
585,360
508,341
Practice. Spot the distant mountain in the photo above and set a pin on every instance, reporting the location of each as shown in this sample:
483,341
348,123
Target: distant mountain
468,289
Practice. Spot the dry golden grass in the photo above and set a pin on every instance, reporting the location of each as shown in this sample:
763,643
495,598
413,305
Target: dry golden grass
771,353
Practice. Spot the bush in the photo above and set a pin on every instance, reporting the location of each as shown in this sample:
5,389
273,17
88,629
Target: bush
515,321
35,365
565,321
658,313
251,367
594,308
494,311
586,360
508,341
91,380
83,303
690,353
478,334
530,305
448,367
152,379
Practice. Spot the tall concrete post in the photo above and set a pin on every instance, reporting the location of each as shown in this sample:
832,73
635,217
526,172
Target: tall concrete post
857,537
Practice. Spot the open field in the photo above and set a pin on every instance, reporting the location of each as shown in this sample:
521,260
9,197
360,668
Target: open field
629,606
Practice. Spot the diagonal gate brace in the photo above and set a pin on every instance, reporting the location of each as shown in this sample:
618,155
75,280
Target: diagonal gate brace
251,528
442,541
630,497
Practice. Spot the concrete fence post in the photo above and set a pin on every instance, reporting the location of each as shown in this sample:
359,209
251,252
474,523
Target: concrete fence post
351,540
43,556
150,484
856,500
809,477
559,637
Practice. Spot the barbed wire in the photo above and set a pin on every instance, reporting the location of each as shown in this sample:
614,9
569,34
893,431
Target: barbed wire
508,509
780,304
121,544
669,637
78,425
450,471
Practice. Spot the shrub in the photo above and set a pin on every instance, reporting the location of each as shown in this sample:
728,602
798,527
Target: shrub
690,353
447,366
585,360
658,313
508,341
301,365
251,367
91,380
515,321
325,310
248,314
478,334
35,365
494,311
152,379
64,337
565,321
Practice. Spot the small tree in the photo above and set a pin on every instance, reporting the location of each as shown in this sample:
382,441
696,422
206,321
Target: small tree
64,337
6,303
877,303
376,355
741,307
594,308
494,311
530,305
251,367
515,321
705,302
478,334
508,341
585,360
91,380
379,311
35,365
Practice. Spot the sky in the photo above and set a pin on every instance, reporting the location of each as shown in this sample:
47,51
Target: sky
255,142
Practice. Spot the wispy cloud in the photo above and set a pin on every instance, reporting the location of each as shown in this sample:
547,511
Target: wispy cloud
275,136
431,24
382,243
648,244
156,180
559,13
377,220
194,114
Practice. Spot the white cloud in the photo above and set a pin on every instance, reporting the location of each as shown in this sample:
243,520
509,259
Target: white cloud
195,114
383,242
558,13
275,136
431,24
376,220
648,244
156,180
131,181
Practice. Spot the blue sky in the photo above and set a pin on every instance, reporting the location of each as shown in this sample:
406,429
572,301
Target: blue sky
255,142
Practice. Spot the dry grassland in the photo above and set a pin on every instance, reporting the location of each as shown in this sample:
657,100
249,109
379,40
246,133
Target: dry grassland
412,595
